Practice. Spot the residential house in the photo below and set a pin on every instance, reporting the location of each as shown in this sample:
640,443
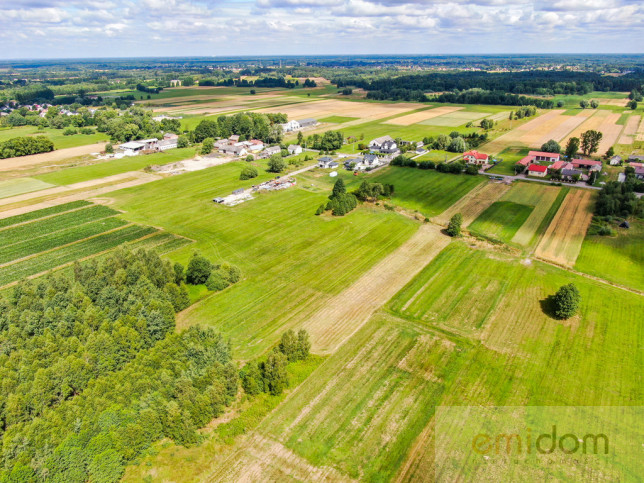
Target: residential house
371,161
294,149
389,147
537,170
290,126
556,166
306,123
355,164
568,174
235,149
635,159
474,157
377,143
268,152
327,162
615,160
639,173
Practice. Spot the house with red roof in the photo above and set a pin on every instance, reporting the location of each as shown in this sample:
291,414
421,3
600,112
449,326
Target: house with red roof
539,156
474,157
537,170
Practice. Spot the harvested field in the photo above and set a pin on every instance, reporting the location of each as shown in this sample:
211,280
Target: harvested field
603,121
455,119
555,128
417,117
639,136
25,162
344,314
563,238
474,203
614,102
514,137
630,130
367,111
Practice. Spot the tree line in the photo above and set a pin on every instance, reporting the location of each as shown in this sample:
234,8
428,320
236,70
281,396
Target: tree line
24,146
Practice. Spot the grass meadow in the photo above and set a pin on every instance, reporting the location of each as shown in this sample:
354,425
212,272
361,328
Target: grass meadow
501,220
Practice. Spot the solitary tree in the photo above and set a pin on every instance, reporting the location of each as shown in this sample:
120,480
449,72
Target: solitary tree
583,103
454,226
182,142
632,105
610,152
276,164
109,148
207,145
567,300
590,141
572,147
594,104
199,269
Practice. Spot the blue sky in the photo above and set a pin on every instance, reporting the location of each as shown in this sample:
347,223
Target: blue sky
128,28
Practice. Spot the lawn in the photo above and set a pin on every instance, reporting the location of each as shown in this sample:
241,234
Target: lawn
507,159
426,191
292,260
56,135
501,220
618,258
116,166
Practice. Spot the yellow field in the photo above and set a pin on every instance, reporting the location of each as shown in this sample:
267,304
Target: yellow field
562,241
630,130
417,117
474,203
602,121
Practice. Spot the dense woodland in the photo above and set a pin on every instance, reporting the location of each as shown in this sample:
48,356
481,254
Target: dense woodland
92,372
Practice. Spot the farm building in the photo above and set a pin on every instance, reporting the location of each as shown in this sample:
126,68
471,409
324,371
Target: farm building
305,123
636,165
234,149
639,173
537,170
268,152
132,148
538,156
587,164
569,174
290,126
166,144
294,149
635,159
474,157
254,145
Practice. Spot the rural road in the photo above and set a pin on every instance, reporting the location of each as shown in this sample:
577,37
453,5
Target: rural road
580,184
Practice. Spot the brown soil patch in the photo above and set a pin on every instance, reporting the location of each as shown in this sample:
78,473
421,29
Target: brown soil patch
345,313
416,117
25,162
630,130
602,121
562,241
514,136
474,203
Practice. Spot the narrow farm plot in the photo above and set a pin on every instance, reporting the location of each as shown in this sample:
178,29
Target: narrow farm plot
563,239
501,220
630,130
13,187
348,311
602,121
474,203
457,118
513,137
24,162
419,117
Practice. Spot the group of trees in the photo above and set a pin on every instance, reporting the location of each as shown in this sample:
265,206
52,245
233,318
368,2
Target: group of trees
520,113
584,104
247,125
25,145
453,168
92,373
619,200
479,96
328,142
589,143
270,375
455,142
216,277
368,191
340,202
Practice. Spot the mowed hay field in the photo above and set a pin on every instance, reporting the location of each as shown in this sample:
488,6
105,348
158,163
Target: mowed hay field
630,130
618,259
13,187
446,339
501,220
562,240
293,262
474,203
419,117
426,191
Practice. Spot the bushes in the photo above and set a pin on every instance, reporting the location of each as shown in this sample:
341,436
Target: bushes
373,191
24,146
215,277
248,172
454,226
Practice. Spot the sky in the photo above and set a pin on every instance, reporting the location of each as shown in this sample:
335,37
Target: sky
135,28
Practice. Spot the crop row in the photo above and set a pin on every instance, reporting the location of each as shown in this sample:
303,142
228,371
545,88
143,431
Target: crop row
57,239
161,243
38,228
34,215
71,253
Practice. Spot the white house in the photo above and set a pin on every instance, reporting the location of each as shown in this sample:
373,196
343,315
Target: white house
327,162
290,126
474,157
294,149
371,161
377,143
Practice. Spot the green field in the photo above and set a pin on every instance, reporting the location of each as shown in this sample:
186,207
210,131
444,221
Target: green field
56,135
292,260
33,215
426,191
19,186
618,258
338,119
501,220
117,166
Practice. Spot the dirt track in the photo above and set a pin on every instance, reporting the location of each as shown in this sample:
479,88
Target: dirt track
25,162
345,313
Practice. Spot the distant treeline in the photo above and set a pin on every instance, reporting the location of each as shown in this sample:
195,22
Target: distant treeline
261,82
23,146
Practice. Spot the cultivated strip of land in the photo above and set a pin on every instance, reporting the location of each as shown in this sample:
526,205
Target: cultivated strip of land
25,162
